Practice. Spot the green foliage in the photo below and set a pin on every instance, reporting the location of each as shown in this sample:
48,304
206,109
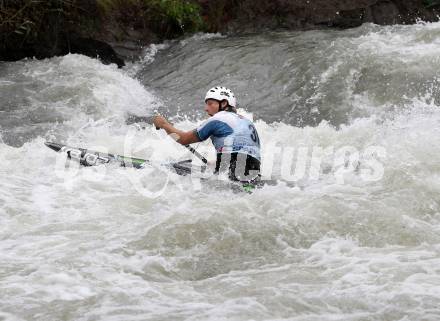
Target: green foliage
184,15
167,17
107,6
23,19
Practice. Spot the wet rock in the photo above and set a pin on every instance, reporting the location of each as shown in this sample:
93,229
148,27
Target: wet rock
92,48
254,15
63,46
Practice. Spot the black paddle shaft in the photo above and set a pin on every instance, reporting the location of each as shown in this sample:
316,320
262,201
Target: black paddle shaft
150,120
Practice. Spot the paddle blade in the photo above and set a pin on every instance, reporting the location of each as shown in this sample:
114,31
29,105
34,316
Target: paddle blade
54,146
134,119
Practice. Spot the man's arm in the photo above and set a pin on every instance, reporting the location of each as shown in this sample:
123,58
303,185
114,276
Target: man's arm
180,136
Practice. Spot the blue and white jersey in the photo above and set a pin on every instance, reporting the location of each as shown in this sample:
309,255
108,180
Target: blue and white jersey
231,133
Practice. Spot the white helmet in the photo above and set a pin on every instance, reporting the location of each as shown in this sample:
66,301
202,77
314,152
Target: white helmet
222,93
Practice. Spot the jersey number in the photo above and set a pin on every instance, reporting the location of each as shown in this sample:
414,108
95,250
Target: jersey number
254,135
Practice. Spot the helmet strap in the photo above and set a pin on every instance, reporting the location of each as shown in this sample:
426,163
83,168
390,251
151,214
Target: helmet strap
220,108
227,108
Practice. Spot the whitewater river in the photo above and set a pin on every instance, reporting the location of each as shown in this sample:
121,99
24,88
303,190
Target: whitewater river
350,127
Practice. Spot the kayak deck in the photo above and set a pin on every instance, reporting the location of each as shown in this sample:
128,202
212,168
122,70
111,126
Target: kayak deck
93,158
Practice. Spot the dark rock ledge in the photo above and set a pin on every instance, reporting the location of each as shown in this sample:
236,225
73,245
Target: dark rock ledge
119,34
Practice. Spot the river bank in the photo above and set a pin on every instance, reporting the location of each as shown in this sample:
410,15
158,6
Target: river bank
116,31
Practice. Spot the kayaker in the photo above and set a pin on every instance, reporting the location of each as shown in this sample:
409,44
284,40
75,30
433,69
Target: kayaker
234,137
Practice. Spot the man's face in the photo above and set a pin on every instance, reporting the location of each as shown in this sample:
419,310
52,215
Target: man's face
211,107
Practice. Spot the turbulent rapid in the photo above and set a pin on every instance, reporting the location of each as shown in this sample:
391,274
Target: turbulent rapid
349,123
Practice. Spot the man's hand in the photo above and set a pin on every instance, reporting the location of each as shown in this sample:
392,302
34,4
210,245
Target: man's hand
159,121
179,136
